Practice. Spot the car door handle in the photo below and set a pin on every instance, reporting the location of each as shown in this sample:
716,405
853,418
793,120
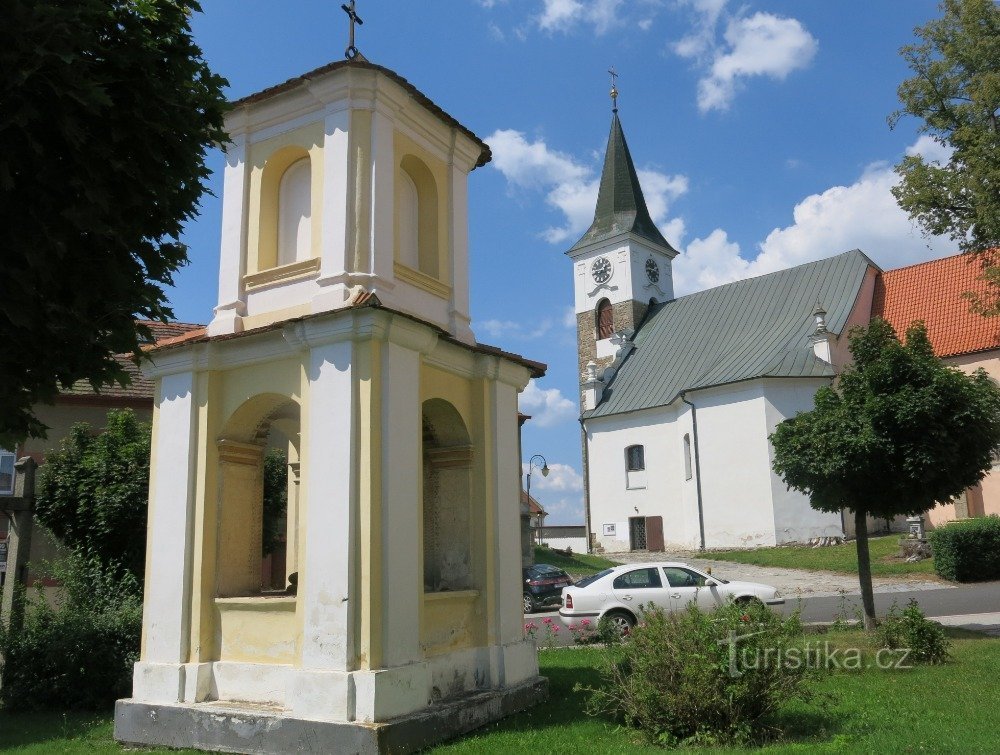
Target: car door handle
626,597
675,595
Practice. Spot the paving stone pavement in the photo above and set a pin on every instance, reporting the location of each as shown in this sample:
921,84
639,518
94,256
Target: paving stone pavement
793,583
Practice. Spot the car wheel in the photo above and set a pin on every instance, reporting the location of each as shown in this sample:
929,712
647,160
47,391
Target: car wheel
622,622
529,604
749,600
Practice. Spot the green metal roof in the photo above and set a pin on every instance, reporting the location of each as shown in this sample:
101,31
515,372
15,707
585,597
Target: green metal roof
758,327
621,207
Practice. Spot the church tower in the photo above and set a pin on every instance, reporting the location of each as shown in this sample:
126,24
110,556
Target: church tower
622,263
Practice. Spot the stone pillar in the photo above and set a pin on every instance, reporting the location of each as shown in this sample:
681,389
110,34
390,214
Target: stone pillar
159,676
21,511
232,264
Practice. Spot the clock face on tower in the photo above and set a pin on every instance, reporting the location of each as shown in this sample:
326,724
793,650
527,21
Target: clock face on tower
601,270
652,270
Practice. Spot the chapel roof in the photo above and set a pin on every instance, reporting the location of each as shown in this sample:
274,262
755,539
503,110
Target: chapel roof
933,292
534,507
485,155
753,328
621,206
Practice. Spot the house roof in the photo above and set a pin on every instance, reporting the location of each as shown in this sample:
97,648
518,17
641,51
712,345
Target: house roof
758,327
141,387
621,206
534,507
933,292
485,155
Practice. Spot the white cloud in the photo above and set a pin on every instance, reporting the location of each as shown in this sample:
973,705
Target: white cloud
759,45
564,15
570,186
931,150
569,318
547,407
511,329
862,215
562,478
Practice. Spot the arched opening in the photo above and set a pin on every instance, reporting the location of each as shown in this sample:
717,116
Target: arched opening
417,217
258,498
605,320
447,499
295,213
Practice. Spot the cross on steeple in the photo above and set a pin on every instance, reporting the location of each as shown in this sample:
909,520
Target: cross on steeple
614,89
351,51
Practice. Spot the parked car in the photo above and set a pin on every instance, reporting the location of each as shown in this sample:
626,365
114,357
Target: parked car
619,592
543,586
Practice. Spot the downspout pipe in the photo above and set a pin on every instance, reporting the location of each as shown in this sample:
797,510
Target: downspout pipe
697,468
586,481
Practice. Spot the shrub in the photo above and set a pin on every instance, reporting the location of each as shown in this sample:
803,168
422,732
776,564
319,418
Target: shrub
911,630
702,677
79,654
968,551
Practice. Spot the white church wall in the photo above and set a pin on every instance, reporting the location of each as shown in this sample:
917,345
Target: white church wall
795,521
735,466
665,493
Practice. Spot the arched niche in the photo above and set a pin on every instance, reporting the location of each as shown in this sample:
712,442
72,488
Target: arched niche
416,196
447,499
243,568
286,202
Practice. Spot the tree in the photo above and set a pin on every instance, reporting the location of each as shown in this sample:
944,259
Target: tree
955,91
93,492
899,433
275,500
106,112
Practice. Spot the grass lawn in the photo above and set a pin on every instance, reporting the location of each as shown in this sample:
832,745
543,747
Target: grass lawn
577,565
929,708
837,558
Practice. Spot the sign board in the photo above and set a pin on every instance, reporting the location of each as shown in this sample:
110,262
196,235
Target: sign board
609,530
3,555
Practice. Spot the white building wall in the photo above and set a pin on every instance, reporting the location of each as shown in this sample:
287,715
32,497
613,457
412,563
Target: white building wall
795,521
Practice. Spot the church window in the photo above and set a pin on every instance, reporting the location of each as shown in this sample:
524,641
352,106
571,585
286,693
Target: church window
295,213
6,472
417,244
635,458
687,456
605,320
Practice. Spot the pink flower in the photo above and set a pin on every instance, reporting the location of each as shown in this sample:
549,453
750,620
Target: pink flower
585,622
547,620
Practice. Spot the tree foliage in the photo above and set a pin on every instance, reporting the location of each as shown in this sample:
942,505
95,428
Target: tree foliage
275,507
955,91
898,434
106,112
93,492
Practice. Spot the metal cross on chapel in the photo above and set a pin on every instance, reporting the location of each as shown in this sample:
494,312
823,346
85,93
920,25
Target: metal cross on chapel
351,51
614,89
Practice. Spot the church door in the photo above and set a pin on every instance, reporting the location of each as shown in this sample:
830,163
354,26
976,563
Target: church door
654,533
637,533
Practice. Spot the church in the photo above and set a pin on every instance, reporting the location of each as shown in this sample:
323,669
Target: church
678,395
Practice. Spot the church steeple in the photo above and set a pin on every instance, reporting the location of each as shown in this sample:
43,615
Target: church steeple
621,206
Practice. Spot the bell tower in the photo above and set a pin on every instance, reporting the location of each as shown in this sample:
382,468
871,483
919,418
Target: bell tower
622,264
342,182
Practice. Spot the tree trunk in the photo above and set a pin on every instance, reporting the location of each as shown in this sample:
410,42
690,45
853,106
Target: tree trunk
865,568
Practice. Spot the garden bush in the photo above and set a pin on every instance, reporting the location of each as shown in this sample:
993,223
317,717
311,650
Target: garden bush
911,630
697,677
968,551
77,655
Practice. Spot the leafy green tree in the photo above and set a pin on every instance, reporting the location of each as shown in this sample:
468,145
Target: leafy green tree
93,492
899,433
955,91
106,111
275,500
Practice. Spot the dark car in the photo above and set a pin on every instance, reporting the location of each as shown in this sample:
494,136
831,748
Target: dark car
543,586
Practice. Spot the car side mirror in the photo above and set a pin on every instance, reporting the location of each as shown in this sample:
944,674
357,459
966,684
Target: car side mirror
711,583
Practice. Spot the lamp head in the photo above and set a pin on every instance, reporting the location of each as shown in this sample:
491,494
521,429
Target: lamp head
545,470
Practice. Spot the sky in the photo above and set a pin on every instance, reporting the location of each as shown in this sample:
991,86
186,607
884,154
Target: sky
758,129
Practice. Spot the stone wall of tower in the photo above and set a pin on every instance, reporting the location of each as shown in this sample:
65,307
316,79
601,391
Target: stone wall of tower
624,314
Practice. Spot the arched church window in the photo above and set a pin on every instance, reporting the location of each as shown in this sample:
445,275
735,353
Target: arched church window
417,244
605,320
635,458
295,213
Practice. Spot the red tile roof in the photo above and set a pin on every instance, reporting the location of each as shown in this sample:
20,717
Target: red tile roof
141,387
933,292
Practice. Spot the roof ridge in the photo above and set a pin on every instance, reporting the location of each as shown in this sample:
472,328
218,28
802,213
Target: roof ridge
934,261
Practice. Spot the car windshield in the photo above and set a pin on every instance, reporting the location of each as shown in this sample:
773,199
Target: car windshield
593,578
546,569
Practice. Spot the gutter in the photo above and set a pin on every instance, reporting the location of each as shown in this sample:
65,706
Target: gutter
697,467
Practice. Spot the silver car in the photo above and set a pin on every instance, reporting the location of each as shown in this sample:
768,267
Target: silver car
619,592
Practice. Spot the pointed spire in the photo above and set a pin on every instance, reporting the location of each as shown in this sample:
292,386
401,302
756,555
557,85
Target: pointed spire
621,207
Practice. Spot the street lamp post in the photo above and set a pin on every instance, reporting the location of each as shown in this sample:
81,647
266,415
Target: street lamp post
545,473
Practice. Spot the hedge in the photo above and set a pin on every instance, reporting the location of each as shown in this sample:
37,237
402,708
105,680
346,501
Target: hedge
968,551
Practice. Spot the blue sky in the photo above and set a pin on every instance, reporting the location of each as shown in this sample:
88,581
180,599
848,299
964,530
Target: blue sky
758,128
